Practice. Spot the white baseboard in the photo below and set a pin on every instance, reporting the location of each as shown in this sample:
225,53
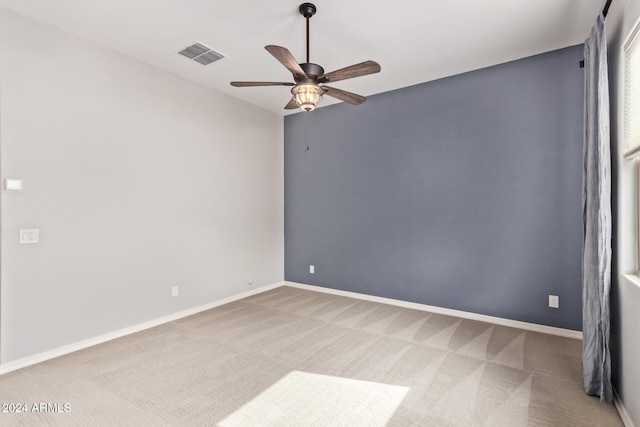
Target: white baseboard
568,333
61,351
624,415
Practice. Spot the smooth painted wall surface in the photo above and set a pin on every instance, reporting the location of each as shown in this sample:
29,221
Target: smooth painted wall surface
138,181
625,293
462,193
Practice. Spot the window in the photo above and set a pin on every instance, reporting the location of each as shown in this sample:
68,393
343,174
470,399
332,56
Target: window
632,116
632,93
638,216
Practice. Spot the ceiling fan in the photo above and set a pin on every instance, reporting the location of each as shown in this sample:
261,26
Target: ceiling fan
308,76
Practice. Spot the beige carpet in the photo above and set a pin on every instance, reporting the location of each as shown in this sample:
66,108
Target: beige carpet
291,357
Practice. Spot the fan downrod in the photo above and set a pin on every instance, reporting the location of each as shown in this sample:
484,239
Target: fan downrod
307,10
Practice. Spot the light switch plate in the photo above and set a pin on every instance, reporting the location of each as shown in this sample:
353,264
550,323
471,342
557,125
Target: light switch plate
29,235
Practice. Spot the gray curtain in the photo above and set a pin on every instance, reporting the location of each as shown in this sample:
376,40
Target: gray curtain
596,204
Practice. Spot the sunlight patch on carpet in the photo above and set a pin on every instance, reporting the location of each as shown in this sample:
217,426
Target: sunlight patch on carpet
303,398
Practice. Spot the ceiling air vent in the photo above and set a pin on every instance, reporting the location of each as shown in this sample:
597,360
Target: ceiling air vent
201,53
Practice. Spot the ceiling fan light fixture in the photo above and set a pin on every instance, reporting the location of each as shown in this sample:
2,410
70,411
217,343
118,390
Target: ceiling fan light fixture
308,76
307,95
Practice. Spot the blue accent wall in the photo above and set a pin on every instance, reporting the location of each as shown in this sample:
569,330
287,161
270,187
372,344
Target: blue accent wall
462,193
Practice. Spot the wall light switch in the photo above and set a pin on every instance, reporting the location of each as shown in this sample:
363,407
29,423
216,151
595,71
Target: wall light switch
554,301
29,235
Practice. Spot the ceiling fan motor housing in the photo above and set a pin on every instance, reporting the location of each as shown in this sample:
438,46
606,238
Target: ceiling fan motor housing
306,92
312,70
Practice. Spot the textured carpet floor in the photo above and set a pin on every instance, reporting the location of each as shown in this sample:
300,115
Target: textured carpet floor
292,357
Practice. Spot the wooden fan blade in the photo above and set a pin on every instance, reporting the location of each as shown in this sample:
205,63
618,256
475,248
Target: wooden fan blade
362,69
343,95
249,84
285,57
291,105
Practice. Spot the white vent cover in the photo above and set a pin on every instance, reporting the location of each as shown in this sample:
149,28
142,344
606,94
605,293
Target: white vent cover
201,53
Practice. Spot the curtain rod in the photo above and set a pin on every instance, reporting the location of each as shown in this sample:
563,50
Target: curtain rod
605,9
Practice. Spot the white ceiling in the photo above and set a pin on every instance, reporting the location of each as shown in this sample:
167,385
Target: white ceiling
413,40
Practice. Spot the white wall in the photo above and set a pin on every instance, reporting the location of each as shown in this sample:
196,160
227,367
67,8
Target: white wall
138,180
625,294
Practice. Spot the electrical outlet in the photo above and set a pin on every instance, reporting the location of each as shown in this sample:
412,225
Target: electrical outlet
312,269
250,281
174,291
554,301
